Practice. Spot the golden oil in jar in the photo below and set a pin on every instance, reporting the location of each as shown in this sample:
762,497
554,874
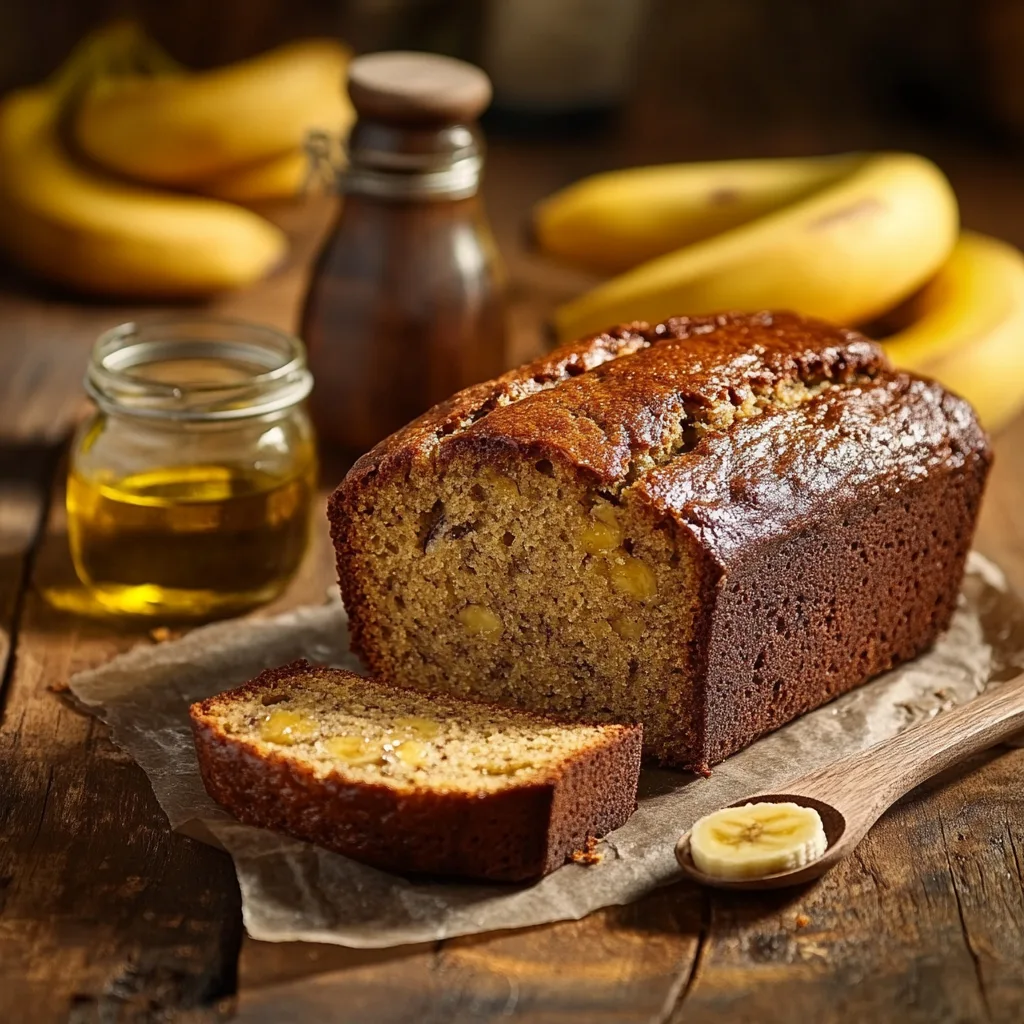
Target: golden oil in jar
189,540
190,488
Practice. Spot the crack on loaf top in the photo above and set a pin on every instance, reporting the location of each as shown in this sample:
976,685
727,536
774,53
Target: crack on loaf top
617,400
631,413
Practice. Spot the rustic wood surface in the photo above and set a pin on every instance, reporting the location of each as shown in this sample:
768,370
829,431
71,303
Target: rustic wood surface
106,915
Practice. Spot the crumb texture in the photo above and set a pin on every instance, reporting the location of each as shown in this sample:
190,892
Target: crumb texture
342,725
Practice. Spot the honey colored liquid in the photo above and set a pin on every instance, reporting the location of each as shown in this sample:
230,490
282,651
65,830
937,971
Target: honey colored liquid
189,541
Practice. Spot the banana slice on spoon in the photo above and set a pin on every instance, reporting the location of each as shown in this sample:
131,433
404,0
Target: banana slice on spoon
756,840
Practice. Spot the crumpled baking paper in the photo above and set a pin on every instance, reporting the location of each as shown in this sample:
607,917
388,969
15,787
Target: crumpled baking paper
295,891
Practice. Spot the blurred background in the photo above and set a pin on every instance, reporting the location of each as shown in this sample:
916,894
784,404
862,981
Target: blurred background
609,83
737,74
585,85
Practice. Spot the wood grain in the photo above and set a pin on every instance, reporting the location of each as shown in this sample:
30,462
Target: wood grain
562,972
25,473
102,908
904,930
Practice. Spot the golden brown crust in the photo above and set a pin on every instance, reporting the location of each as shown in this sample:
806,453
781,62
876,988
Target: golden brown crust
700,359
513,834
797,606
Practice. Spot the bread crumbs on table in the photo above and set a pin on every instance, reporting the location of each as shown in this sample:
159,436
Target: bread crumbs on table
589,855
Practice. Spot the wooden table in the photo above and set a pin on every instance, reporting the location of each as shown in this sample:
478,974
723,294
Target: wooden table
106,915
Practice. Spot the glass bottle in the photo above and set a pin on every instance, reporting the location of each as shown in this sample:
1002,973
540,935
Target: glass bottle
406,301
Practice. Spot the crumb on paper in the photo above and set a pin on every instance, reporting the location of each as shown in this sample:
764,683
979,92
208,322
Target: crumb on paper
924,708
802,920
813,949
160,635
61,687
589,855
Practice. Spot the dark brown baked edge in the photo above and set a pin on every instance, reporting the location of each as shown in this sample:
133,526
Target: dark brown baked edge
812,615
794,617
513,835
604,780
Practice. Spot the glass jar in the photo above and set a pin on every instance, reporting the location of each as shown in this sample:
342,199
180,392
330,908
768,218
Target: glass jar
189,489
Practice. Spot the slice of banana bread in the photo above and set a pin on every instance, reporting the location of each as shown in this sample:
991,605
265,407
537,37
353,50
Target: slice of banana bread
412,782
709,525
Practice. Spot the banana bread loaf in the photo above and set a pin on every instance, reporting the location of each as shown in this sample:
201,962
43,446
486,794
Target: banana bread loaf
709,525
411,782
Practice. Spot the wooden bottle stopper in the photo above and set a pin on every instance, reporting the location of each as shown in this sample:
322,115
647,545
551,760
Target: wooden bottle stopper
417,87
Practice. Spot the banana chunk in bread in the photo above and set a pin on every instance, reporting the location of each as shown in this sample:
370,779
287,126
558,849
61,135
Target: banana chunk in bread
709,525
412,782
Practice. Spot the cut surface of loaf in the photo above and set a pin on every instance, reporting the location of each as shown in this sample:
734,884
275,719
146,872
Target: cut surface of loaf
410,781
709,525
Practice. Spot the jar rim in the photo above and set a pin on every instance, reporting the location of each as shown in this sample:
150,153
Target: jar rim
236,369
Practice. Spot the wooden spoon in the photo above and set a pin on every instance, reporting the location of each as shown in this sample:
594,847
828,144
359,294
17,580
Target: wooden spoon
851,794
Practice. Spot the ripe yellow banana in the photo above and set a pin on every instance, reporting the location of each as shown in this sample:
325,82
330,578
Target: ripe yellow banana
100,235
611,222
279,177
846,253
966,327
184,128
120,47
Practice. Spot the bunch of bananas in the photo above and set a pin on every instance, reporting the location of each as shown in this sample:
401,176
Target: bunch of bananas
859,239
117,175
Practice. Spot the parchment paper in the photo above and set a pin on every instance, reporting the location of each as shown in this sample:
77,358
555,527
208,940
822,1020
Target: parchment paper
292,890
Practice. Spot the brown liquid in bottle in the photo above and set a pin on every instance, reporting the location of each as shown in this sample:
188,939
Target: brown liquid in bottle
406,302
